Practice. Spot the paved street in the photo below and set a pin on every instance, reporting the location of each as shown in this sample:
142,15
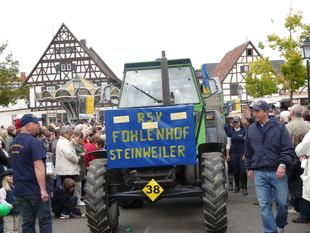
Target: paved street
184,215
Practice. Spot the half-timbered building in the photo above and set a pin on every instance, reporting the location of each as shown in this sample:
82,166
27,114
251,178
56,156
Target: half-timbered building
233,68
65,58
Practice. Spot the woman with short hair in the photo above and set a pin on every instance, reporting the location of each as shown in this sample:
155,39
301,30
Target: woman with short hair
66,158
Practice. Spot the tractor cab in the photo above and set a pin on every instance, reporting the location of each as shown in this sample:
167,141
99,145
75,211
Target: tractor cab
143,85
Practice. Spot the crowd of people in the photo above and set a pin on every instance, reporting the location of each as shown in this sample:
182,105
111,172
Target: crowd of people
271,147
49,164
274,151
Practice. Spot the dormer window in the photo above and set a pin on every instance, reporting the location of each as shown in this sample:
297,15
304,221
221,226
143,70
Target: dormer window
249,52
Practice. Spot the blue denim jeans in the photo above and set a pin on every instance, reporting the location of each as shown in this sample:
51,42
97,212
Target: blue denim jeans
58,181
268,187
73,201
32,207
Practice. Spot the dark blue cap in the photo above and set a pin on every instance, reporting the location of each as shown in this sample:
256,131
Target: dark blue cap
237,119
27,118
261,104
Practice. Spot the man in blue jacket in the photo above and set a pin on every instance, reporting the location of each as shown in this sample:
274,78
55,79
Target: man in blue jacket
268,150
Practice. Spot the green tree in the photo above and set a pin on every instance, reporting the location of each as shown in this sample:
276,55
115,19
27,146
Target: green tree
293,71
9,93
261,79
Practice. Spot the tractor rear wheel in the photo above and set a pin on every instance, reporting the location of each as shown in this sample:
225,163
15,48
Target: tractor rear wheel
102,216
214,192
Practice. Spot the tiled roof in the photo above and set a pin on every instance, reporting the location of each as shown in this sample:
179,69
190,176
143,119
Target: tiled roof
211,67
228,61
108,72
223,68
276,64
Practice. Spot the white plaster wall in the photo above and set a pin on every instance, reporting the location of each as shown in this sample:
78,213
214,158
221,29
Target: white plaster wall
8,114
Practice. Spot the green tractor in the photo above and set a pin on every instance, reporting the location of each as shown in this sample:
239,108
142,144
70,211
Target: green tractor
161,143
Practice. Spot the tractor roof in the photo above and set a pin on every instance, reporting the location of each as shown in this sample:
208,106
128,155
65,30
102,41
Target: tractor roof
156,63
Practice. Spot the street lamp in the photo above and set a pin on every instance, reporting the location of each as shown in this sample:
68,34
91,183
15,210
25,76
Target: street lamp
305,52
76,84
240,91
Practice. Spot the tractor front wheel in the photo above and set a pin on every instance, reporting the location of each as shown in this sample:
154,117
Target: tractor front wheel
214,192
102,216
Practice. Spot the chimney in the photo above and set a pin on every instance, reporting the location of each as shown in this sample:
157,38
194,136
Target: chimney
83,43
22,76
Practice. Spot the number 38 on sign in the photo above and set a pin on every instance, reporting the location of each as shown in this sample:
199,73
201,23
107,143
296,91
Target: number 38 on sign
153,190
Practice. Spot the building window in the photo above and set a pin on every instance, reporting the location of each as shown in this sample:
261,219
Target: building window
50,88
234,89
63,67
244,69
249,52
51,118
15,85
14,119
64,50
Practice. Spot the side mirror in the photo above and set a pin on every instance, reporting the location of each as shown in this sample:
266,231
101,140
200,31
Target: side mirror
215,85
105,93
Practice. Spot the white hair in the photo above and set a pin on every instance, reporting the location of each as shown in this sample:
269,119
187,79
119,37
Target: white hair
78,127
65,129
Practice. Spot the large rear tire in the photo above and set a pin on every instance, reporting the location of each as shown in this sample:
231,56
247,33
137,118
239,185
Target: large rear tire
214,192
102,216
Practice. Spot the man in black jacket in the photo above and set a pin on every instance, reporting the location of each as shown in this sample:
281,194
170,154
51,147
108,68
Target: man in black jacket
268,150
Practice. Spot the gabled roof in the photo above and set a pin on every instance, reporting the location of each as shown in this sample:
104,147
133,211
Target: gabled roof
275,64
104,67
211,67
86,61
229,60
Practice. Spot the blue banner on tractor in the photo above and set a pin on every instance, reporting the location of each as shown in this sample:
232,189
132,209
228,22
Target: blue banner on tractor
145,137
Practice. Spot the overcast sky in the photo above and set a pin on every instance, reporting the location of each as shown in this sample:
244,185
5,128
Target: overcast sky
123,31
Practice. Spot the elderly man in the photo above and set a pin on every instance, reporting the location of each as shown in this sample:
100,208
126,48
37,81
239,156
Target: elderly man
31,190
11,135
297,124
268,150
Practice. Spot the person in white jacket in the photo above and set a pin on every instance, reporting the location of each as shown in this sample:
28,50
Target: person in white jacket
303,152
66,158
